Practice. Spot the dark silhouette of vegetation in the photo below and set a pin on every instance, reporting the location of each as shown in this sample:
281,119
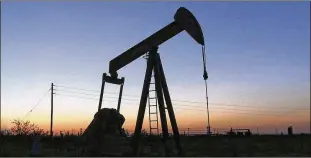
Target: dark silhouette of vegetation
25,128
19,140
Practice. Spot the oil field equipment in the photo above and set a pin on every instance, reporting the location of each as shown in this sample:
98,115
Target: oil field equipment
184,20
239,132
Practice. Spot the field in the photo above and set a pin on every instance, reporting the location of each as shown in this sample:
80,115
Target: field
248,146
297,145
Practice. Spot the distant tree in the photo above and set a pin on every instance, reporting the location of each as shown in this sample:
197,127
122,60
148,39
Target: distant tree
67,133
38,131
73,132
21,127
61,134
46,133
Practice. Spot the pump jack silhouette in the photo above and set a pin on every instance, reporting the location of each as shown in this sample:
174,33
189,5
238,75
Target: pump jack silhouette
183,20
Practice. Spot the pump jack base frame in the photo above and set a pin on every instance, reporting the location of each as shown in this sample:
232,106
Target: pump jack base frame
154,63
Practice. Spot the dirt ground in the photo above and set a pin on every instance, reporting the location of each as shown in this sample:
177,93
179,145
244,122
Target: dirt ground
297,145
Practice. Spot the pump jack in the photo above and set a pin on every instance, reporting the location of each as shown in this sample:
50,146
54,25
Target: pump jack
183,20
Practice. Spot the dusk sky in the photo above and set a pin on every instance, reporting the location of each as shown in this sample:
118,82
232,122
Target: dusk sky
258,61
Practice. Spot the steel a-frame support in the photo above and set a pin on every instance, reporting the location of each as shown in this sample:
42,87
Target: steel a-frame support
154,63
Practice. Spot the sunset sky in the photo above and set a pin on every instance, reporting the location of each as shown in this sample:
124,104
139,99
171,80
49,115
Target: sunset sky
258,60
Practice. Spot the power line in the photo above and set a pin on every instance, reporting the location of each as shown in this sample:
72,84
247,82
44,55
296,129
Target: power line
228,109
239,106
214,108
186,101
37,104
135,96
235,105
76,92
224,105
72,96
82,89
223,110
95,95
78,88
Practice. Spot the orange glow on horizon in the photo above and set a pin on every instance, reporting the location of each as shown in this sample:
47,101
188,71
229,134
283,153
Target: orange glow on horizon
187,119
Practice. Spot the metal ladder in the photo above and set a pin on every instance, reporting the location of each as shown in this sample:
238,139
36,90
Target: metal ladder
153,106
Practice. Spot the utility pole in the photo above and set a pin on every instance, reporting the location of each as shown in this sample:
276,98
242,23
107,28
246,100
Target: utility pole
52,93
257,130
